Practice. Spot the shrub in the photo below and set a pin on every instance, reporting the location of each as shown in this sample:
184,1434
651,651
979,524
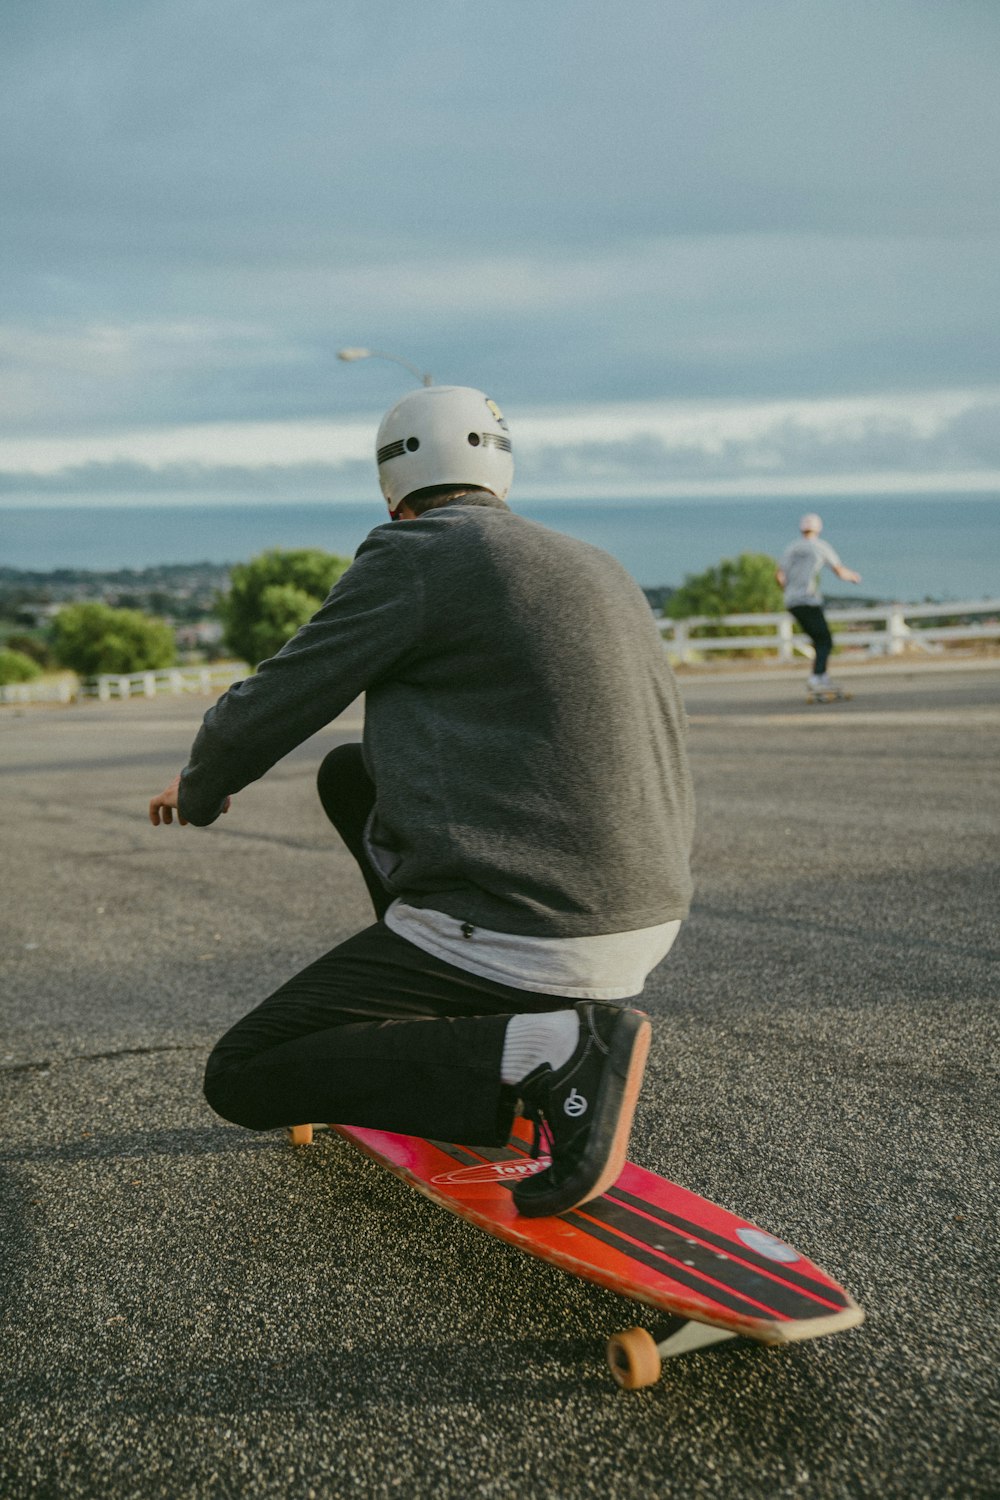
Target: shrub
743,586
92,638
15,666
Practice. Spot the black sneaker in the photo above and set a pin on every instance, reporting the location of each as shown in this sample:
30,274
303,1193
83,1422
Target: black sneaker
587,1107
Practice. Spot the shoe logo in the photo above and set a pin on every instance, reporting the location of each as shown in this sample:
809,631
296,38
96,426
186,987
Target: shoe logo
574,1105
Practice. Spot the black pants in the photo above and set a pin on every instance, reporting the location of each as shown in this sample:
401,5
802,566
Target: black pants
376,1032
813,622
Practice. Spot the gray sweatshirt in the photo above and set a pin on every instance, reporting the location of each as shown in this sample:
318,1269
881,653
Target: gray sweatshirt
522,726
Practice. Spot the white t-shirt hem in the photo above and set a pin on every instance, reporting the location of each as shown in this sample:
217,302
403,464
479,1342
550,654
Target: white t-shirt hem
605,966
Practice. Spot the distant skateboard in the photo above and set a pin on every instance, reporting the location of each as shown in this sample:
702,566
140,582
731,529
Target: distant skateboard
717,1275
827,695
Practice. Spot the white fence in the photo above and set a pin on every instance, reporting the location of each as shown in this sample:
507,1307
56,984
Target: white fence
172,680
128,684
890,632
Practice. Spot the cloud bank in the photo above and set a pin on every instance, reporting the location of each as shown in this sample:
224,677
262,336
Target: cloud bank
932,442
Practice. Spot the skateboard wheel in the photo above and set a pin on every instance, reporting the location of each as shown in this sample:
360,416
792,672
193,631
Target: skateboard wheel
300,1135
634,1359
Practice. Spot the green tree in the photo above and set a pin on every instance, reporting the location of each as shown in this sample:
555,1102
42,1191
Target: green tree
92,638
15,666
272,595
741,586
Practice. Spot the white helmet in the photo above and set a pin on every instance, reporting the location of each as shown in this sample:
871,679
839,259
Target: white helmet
811,522
443,434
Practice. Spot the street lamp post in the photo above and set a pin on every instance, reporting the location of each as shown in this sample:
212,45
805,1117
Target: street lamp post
352,354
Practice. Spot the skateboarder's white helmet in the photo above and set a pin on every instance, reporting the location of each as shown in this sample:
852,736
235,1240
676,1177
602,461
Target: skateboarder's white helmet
443,434
811,522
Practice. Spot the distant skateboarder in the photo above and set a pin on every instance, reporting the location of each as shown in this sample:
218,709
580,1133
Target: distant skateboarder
798,574
520,809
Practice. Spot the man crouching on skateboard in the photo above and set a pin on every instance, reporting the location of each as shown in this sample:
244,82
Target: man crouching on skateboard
520,809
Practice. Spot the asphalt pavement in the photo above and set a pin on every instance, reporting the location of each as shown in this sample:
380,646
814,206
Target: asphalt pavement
189,1309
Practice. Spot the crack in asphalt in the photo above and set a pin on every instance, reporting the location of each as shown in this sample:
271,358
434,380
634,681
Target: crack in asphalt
46,1065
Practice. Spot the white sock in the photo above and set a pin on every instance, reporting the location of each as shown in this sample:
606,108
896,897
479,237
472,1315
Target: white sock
531,1040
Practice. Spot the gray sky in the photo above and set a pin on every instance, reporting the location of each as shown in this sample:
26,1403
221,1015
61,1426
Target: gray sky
691,246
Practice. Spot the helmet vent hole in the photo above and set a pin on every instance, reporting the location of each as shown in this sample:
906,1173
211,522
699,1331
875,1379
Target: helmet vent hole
474,439
412,444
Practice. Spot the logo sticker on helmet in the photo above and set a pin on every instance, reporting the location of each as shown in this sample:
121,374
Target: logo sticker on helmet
496,412
574,1104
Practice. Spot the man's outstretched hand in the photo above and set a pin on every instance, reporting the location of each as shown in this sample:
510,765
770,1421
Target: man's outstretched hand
163,806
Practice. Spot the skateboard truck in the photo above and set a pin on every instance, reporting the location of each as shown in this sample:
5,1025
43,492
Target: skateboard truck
635,1357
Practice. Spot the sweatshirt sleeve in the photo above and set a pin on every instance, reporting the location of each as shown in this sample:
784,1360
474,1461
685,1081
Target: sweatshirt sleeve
365,627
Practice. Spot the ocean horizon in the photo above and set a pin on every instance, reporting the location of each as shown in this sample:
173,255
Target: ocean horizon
939,547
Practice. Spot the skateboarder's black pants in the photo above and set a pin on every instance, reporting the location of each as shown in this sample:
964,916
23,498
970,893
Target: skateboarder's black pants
377,1032
813,622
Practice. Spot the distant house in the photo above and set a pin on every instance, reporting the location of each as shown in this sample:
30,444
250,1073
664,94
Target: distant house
200,633
37,614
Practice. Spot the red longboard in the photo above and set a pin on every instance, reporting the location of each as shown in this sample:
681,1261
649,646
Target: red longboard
718,1275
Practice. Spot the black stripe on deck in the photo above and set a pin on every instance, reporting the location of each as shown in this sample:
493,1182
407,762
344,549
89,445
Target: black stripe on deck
785,1272
682,1258
780,1289
471,1158
722,1296
777,1273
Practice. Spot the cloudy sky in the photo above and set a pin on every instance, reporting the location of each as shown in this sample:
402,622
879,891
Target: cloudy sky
691,246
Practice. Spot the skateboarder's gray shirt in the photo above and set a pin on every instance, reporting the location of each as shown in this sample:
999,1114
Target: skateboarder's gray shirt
522,725
802,564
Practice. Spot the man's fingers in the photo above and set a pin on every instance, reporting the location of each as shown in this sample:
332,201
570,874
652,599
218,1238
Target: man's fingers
161,807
